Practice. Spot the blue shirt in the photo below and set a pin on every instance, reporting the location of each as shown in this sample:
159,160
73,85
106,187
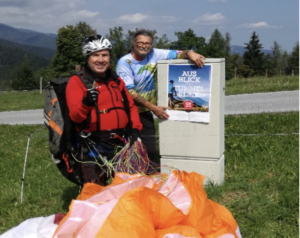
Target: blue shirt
140,76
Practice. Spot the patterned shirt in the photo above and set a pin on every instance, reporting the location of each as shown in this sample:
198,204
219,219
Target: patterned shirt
140,76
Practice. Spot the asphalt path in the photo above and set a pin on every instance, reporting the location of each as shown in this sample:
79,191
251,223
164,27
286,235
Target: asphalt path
283,101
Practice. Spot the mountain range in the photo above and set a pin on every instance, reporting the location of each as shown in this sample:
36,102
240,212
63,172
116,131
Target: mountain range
48,41
16,44
28,37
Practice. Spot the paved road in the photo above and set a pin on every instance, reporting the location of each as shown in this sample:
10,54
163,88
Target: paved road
262,102
235,104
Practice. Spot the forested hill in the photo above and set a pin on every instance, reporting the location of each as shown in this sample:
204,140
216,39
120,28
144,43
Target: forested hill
39,51
12,55
28,37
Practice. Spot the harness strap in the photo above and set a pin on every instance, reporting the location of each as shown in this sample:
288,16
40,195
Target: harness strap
104,111
66,159
98,116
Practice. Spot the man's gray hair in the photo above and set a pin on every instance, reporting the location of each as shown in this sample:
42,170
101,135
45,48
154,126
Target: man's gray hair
139,32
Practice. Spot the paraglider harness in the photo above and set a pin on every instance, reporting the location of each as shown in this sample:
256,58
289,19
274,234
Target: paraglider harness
64,139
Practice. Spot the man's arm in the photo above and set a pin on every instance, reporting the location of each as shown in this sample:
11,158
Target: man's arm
158,111
196,58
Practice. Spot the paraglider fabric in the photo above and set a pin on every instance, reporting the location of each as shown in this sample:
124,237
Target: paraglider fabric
38,227
167,206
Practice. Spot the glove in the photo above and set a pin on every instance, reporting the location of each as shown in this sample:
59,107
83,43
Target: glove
134,136
91,97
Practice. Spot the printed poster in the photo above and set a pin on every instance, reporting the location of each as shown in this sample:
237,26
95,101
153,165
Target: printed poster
189,92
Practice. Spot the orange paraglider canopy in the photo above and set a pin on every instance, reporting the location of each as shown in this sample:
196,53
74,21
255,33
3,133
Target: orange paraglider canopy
174,205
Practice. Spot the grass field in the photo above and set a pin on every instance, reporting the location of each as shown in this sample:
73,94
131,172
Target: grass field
261,186
261,84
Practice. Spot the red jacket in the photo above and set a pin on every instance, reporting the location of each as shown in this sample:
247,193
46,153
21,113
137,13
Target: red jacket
110,96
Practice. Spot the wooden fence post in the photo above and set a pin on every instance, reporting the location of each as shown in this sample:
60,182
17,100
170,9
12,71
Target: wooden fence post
77,67
41,85
235,70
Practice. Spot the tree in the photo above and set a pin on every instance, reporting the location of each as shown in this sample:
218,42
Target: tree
236,61
68,52
163,42
277,58
219,47
22,76
229,68
269,65
46,74
253,57
189,41
245,71
294,59
117,39
285,62
216,45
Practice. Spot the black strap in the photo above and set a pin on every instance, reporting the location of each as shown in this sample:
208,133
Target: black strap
104,111
98,116
126,108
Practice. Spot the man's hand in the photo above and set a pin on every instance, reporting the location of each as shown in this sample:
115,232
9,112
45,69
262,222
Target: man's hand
133,136
91,97
160,112
196,58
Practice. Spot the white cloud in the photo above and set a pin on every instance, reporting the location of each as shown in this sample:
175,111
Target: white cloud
217,0
259,25
83,14
143,18
133,18
209,19
55,13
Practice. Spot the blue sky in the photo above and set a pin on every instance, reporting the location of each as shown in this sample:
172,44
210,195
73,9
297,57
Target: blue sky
272,20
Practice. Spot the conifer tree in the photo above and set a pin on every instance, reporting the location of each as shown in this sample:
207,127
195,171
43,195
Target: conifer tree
277,54
253,57
294,59
117,40
22,76
219,47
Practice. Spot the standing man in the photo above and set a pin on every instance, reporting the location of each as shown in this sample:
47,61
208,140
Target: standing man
138,70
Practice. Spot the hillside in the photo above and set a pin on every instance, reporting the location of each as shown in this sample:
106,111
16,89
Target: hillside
13,54
39,51
28,37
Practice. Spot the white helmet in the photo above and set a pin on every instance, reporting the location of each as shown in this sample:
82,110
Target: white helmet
93,43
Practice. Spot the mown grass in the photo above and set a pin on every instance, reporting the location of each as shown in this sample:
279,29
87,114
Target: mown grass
45,191
261,186
21,100
261,84
13,101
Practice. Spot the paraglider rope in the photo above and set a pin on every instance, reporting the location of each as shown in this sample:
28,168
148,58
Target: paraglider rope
128,159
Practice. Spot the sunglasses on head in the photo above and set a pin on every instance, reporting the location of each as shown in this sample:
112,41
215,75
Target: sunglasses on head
89,38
